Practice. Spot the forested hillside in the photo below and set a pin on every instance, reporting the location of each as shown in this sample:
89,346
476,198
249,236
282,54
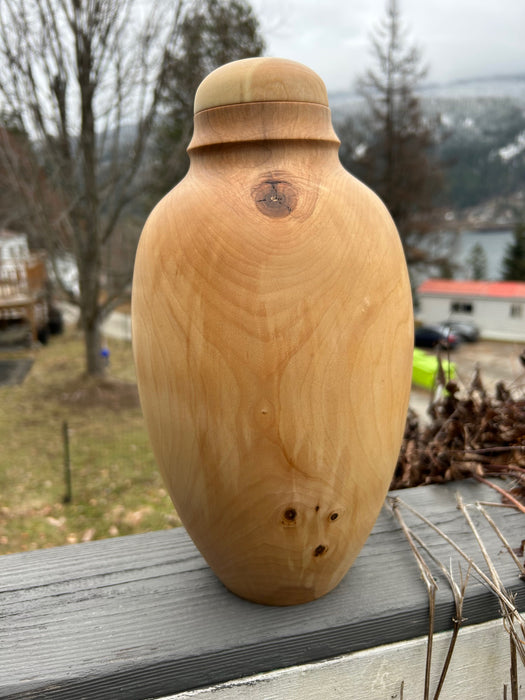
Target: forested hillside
480,138
482,146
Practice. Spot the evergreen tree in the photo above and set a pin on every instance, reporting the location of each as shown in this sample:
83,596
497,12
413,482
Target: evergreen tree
477,262
514,261
215,32
391,150
446,269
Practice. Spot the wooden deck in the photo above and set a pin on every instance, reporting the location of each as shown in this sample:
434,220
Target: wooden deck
143,616
23,291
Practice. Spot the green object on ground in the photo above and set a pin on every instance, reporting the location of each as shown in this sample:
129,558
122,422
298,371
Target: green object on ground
425,369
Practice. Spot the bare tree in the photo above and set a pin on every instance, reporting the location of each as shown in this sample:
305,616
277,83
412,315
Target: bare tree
393,153
213,33
82,80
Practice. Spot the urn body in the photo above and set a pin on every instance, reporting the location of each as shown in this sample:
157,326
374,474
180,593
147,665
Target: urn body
272,333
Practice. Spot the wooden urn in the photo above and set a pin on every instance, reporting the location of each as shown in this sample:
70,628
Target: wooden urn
272,333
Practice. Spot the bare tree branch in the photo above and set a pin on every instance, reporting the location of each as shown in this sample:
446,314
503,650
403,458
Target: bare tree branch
84,78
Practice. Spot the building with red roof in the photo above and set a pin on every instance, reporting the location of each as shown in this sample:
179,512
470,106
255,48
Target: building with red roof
497,308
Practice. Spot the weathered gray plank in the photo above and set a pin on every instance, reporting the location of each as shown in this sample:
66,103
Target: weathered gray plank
143,616
479,669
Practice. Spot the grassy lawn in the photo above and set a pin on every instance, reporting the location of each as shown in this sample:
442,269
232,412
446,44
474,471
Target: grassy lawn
116,487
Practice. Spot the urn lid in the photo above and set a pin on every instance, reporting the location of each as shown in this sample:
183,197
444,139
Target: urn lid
260,80
261,99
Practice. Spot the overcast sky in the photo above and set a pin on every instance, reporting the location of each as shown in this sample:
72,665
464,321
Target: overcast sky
458,38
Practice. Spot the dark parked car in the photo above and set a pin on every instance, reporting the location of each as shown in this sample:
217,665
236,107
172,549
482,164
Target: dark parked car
463,329
56,321
434,336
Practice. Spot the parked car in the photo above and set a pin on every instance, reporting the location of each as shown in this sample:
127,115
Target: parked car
434,336
56,321
465,330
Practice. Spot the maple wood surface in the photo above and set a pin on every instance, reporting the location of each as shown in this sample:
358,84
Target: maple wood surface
260,80
272,331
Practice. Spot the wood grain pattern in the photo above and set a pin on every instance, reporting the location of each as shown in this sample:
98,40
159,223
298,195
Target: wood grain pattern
143,616
272,331
260,80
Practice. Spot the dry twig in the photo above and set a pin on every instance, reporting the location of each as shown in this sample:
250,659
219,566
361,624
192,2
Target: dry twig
513,621
431,586
470,434
475,568
504,493
511,616
498,532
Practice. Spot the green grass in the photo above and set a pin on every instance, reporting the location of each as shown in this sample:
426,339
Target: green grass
116,487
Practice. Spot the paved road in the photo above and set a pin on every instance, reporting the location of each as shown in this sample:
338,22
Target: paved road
117,325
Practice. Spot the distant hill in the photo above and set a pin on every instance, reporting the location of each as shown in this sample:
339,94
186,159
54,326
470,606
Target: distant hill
481,138
494,86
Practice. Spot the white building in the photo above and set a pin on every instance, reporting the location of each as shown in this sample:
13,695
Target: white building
13,246
497,308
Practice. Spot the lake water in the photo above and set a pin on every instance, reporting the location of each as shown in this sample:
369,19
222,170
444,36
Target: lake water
460,245
494,243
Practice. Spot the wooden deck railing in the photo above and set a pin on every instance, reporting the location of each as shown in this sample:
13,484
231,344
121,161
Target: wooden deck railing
143,616
24,276
23,291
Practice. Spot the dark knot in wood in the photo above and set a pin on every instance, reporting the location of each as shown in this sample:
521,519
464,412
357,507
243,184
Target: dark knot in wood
275,198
